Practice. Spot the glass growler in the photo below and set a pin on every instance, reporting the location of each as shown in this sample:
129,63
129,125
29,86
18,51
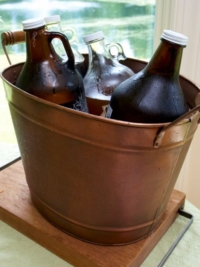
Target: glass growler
104,72
53,23
44,74
154,94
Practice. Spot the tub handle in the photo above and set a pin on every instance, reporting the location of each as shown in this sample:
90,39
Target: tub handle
162,130
11,38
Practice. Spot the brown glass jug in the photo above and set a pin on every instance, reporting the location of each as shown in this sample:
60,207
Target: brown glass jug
104,72
44,74
153,95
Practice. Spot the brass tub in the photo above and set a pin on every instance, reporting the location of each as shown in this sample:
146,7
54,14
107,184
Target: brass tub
103,181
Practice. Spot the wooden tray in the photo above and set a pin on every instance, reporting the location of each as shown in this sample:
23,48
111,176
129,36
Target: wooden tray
17,210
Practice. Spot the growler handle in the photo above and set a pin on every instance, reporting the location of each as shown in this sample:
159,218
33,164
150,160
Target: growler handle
73,38
11,38
120,52
71,61
161,132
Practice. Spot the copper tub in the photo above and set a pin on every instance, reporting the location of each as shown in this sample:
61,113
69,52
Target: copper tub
103,181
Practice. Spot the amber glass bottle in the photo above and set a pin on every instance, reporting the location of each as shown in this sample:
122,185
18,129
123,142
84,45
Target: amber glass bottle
153,95
44,74
104,72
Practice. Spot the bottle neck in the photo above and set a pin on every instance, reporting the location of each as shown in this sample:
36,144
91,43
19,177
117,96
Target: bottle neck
37,45
97,50
166,59
54,27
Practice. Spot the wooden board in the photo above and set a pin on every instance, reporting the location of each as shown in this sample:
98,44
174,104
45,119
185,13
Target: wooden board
17,210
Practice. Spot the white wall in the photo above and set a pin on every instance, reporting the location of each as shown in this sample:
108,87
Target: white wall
184,16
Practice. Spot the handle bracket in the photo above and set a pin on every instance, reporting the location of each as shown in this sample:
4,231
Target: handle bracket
161,132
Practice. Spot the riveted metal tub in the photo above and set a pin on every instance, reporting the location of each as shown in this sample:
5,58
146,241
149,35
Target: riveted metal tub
103,181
